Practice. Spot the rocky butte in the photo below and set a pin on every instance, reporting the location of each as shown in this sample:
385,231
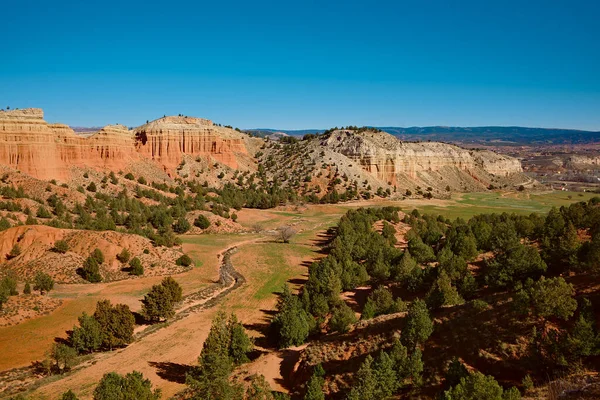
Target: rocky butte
411,164
51,151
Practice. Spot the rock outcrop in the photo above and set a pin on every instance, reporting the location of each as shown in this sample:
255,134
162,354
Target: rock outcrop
51,151
167,139
430,163
582,162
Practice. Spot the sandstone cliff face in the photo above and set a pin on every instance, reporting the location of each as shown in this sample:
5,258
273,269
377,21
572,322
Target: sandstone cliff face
167,139
50,151
392,160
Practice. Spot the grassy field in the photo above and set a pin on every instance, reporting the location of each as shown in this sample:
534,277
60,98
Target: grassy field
470,204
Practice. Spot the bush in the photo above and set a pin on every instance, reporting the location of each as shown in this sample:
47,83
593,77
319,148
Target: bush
181,225
380,302
98,255
43,213
91,270
113,386
15,251
158,304
43,282
285,233
551,297
60,246
63,356
419,325
91,187
27,288
129,176
478,386
123,256
87,337
527,383
142,181
184,261
202,222
136,267
342,318
117,323
479,305
69,395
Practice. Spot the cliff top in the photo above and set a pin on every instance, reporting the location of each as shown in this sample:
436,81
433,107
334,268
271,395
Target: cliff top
25,113
179,120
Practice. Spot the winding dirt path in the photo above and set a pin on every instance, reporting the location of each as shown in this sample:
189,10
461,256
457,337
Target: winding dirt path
162,353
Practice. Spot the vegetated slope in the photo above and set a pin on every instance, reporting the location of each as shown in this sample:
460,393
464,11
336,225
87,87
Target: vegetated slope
365,161
37,254
512,297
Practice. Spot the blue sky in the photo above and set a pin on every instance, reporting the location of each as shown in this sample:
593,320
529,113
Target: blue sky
305,64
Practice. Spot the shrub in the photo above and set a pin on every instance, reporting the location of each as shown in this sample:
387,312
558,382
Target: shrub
479,386
129,176
419,325
91,270
551,297
136,267
91,187
479,305
184,261
342,318
42,212
117,323
123,256
86,337
202,222
98,255
69,395
43,282
181,225
527,383
15,251
113,386
285,233
60,246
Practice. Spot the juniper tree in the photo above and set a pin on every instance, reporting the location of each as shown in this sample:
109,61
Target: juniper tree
419,325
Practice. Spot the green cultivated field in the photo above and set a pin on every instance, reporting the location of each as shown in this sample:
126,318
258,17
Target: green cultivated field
472,204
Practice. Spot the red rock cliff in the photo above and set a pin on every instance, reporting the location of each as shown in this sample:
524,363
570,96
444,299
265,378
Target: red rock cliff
47,151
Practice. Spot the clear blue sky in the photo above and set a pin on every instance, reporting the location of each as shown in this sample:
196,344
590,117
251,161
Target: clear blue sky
305,64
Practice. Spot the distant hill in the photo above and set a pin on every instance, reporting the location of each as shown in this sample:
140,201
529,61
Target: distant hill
266,132
496,135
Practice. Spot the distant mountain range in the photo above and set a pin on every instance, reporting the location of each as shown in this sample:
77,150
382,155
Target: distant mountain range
496,135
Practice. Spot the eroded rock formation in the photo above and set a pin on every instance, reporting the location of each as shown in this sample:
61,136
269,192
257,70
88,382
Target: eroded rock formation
50,151
392,160
167,139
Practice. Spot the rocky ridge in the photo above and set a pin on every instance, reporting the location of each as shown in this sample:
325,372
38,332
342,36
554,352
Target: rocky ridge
196,148
391,159
370,160
52,151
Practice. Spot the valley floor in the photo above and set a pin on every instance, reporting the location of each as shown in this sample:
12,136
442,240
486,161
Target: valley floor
165,355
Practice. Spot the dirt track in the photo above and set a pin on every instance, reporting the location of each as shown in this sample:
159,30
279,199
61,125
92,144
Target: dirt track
163,355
